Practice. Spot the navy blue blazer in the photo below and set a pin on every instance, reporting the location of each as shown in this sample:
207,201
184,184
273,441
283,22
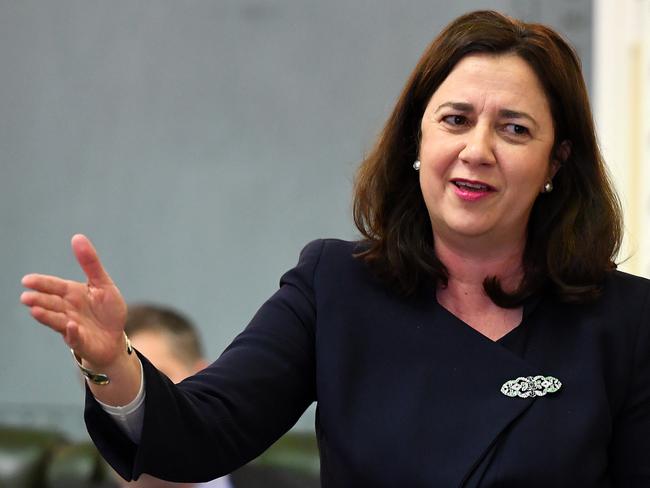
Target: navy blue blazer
408,395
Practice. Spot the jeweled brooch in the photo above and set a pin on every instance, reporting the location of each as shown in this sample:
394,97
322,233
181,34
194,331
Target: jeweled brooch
531,386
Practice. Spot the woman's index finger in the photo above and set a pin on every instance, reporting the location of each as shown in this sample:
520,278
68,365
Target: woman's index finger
45,284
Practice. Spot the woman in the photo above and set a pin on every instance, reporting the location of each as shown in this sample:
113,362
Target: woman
478,336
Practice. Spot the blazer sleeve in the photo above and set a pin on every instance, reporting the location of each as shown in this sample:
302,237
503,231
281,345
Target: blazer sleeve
630,448
229,413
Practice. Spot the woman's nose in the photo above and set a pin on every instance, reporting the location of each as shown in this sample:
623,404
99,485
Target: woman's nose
479,146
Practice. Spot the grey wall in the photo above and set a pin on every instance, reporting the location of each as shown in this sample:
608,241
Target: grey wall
200,144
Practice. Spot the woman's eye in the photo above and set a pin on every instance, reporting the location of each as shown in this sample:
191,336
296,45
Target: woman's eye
455,120
516,129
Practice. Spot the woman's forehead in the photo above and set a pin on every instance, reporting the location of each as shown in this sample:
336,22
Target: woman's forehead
505,81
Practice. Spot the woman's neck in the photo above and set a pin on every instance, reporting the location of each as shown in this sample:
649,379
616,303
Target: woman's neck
468,268
464,295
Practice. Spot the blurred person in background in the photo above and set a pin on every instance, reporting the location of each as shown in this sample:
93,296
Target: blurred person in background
173,345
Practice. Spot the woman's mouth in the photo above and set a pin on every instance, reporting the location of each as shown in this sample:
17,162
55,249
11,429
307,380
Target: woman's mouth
469,190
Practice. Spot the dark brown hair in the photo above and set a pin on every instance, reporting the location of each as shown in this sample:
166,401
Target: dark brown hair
178,329
574,233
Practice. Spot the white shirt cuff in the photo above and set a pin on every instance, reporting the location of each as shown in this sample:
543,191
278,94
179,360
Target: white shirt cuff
129,417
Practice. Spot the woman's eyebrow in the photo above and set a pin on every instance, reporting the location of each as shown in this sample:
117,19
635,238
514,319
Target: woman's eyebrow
460,106
513,114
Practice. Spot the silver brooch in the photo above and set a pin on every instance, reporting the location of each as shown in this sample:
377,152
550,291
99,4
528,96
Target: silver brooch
531,386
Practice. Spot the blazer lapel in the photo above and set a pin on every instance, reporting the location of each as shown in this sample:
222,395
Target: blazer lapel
469,370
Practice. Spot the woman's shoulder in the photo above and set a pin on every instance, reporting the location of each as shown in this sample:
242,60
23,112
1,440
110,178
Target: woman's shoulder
336,261
622,285
333,251
626,297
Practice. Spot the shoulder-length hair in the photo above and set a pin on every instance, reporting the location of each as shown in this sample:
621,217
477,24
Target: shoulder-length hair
574,232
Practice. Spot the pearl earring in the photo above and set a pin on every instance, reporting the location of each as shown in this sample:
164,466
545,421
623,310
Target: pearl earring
548,187
416,165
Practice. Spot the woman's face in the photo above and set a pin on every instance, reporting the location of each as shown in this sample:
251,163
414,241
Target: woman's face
485,152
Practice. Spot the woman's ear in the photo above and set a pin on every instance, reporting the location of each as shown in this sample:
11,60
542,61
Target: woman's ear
562,153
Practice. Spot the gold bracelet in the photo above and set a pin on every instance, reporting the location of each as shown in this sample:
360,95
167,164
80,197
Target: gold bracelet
98,378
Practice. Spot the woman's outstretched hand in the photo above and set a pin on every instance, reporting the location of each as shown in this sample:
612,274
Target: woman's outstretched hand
89,316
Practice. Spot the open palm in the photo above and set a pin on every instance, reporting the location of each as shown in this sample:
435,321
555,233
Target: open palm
89,316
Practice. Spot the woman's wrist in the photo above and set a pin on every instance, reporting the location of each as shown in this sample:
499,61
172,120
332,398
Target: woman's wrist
94,375
124,379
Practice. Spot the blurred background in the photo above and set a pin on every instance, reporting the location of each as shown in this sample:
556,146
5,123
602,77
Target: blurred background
202,144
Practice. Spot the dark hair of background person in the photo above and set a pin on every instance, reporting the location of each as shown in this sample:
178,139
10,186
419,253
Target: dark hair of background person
574,232
171,323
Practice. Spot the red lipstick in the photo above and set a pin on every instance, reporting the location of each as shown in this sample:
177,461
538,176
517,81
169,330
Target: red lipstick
471,190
